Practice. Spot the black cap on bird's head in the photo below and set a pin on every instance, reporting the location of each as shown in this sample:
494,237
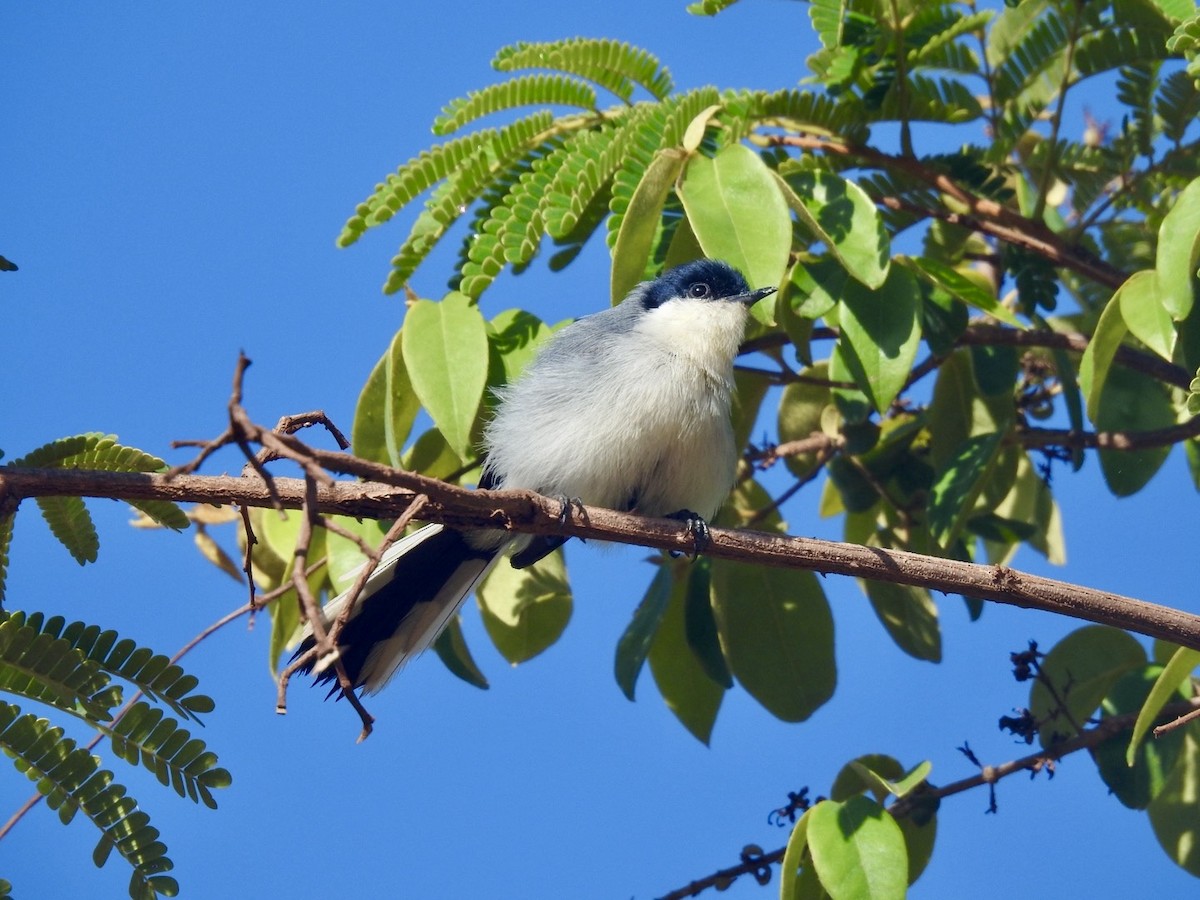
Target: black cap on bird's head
702,279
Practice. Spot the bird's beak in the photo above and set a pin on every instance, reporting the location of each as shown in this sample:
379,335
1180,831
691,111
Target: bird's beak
754,296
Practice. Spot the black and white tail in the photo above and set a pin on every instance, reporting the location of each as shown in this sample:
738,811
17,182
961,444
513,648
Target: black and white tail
419,584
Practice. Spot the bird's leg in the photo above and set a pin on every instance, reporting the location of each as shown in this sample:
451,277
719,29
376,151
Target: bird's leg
566,504
696,527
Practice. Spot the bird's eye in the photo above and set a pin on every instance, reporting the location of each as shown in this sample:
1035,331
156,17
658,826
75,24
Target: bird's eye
699,290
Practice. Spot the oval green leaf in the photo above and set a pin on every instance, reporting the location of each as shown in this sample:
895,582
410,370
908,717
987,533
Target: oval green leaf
1145,314
910,617
446,354
738,214
1179,252
640,224
634,645
1082,668
1173,812
777,633
841,215
1131,401
1136,784
690,692
881,333
858,850
526,610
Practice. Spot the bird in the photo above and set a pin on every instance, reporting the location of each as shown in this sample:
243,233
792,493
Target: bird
628,409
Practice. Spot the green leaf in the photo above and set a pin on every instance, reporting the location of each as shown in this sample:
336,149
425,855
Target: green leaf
446,353
801,409
1173,812
517,336
738,214
959,484
1136,784
1131,401
525,90
793,856
386,409
71,523
634,645
961,287
640,224
1144,313
858,850
884,787
910,617
6,533
451,648
777,633
1098,357
1082,668
881,334
700,625
1183,661
1179,252
526,610
841,215
163,512
685,682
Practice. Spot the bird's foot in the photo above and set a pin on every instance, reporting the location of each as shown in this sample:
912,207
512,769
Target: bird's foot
696,527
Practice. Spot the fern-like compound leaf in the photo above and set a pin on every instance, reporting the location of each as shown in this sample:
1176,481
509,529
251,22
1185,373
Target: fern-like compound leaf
614,64
526,90
70,780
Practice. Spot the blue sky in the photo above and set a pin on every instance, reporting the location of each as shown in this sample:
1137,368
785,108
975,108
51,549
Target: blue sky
175,177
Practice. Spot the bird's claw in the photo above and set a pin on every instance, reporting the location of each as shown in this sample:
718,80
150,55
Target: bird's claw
697,528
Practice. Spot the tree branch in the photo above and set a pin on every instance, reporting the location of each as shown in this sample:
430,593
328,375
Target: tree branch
389,492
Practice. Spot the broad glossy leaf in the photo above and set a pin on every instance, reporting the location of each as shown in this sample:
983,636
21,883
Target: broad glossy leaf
1179,252
958,485
996,369
858,850
1131,401
1030,501
738,214
1173,812
961,287
841,215
1082,668
446,354
690,693
1137,784
777,633
640,224
386,409
451,648
1147,318
880,335
959,411
1098,357
634,645
700,625
430,455
851,402
526,610
910,617
1180,666
883,775
749,388
800,410
344,556
790,876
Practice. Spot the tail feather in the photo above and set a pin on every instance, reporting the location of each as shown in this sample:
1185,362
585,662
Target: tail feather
414,591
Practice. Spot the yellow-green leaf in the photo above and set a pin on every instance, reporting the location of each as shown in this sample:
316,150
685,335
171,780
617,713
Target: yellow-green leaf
738,214
777,633
446,354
